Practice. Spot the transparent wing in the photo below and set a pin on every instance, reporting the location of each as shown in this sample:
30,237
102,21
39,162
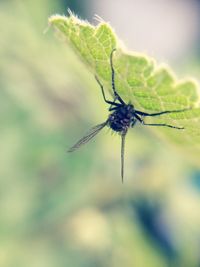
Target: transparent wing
92,132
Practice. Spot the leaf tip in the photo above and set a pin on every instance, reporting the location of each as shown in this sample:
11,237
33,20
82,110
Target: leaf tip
54,18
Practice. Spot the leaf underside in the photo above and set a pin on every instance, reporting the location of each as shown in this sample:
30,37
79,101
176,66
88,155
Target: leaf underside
139,80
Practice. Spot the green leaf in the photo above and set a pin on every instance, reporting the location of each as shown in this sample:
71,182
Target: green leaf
139,79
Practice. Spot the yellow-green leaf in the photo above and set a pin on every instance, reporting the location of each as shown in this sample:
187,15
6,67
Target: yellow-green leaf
139,79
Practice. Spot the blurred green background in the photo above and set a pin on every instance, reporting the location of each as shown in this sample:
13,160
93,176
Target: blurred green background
59,209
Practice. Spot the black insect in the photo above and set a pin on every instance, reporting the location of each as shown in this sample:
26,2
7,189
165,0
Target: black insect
122,117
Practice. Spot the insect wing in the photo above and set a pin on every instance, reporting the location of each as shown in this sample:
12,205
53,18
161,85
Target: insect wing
85,139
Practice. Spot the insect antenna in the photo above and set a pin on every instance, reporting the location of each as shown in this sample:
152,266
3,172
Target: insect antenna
85,139
123,136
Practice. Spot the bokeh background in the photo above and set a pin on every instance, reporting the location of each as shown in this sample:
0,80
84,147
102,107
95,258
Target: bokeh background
59,209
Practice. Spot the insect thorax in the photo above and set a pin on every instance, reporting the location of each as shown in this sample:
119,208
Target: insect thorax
122,118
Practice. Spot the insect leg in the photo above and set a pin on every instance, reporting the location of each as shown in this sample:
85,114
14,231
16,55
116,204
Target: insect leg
103,93
157,124
123,136
163,124
113,108
113,77
159,113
